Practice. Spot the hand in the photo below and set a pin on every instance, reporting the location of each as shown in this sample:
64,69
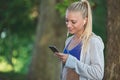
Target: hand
62,57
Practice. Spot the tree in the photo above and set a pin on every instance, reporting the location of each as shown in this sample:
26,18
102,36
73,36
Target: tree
50,30
112,57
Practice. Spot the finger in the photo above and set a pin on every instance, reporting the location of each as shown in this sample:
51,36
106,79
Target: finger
59,54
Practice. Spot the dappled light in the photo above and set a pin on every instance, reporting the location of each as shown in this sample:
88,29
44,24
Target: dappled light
4,66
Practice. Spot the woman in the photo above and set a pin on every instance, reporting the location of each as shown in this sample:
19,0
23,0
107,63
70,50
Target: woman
83,57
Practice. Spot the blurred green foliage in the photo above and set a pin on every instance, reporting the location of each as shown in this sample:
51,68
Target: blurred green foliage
17,27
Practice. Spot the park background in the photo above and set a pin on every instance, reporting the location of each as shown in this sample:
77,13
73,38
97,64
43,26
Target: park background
28,27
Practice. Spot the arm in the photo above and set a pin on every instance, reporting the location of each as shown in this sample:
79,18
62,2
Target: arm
95,69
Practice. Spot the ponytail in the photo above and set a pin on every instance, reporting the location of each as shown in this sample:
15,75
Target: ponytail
88,29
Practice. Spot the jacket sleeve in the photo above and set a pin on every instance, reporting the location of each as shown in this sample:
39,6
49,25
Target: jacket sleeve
94,70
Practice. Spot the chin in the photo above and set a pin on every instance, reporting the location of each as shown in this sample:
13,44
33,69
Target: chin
71,32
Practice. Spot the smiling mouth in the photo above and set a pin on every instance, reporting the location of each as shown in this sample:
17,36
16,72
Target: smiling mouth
70,29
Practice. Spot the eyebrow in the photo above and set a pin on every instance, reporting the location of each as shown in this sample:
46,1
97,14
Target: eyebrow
70,19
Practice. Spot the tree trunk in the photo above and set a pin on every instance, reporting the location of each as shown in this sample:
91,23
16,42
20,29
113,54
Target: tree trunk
50,30
112,57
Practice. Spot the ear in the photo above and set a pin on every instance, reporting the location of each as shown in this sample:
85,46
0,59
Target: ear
85,20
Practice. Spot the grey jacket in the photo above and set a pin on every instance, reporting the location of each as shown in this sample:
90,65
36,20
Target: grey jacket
91,64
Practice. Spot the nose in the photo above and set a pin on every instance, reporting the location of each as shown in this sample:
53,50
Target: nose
68,24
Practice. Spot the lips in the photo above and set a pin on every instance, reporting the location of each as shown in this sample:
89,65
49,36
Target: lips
70,30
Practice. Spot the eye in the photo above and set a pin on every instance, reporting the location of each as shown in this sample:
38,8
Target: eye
74,22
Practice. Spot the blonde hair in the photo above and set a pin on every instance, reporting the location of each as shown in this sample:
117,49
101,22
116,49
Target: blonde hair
85,9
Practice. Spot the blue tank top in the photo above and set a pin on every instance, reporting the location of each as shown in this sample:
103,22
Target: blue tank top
76,51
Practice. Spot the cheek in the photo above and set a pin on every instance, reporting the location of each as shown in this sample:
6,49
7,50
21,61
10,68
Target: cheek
79,25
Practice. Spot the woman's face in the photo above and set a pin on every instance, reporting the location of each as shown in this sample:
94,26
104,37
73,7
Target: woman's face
75,22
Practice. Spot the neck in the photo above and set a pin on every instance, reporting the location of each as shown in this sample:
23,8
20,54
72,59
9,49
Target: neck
78,35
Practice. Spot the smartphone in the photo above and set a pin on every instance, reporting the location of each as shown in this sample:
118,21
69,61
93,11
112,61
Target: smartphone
54,49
